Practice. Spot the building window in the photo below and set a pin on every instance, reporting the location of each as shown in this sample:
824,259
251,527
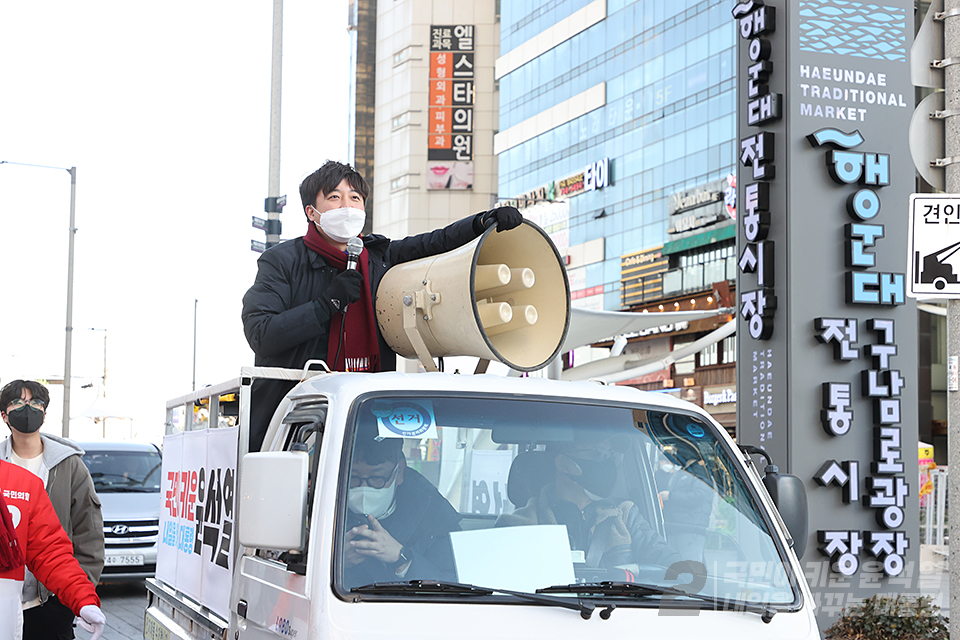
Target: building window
404,119
708,356
687,365
405,181
698,270
406,54
723,352
730,349
938,340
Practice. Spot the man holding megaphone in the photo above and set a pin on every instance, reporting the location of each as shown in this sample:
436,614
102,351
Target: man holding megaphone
313,296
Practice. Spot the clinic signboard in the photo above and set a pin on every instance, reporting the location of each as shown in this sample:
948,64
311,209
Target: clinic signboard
826,362
450,114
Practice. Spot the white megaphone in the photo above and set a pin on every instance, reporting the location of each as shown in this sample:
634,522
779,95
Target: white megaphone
503,296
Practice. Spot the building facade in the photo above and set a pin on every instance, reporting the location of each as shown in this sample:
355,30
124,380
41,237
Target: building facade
435,114
617,135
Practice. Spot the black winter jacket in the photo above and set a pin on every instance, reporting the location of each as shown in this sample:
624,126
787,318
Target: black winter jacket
421,522
286,327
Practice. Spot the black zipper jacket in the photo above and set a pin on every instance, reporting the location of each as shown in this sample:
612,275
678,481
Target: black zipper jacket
285,326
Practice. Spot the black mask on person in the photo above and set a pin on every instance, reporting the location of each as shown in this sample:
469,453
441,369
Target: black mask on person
597,477
26,419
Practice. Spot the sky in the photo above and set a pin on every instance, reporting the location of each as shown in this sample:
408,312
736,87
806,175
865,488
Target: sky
164,108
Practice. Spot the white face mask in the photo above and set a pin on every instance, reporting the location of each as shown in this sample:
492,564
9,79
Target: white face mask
372,502
343,223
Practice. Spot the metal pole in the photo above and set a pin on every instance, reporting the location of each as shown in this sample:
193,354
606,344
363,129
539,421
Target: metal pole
951,85
194,388
68,349
104,421
68,343
273,185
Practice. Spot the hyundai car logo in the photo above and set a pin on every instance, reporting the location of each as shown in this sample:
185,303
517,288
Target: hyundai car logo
120,529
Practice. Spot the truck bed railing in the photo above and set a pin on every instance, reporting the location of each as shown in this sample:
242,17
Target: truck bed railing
210,397
183,606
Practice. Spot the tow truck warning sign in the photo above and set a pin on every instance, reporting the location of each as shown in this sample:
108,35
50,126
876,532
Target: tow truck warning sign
934,246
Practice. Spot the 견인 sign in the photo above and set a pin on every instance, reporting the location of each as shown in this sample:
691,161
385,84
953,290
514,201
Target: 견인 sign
934,246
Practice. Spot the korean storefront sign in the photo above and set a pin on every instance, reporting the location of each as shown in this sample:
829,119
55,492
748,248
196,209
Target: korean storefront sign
825,374
450,117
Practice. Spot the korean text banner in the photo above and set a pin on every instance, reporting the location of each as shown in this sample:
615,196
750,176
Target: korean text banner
198,518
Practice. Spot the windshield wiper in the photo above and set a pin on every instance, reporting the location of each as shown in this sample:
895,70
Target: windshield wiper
423,586
457,588
609,588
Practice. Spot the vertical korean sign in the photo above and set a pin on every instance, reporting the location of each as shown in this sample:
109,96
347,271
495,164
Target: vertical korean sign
450,122
198,517
827,338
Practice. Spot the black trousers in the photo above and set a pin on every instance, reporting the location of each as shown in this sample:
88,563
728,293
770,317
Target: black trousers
50,621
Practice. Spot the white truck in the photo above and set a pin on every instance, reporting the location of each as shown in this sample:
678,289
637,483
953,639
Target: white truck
471,506
493,449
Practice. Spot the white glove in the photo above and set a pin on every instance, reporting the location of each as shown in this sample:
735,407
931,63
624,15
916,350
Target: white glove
92,619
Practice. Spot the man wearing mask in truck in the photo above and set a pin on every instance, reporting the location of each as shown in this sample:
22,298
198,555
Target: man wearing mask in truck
611,532
312,301
59,465
398,524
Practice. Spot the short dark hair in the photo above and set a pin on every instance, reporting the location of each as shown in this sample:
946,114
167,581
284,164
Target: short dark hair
13,390
372,449
327,178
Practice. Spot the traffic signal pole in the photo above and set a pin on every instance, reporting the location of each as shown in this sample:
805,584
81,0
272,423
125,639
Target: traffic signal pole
68,347
276,71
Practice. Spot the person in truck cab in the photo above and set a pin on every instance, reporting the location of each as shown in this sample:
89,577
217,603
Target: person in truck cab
609,531
398,524
306,303
59,465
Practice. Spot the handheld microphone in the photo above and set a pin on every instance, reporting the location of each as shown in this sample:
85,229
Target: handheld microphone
354,247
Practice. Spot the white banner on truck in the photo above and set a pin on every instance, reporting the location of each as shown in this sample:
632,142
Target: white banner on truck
199,515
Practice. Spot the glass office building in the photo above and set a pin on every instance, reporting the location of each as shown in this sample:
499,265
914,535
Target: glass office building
617,135
648,87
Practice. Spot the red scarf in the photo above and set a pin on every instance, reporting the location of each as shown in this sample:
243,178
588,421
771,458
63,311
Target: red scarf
11,556
360,350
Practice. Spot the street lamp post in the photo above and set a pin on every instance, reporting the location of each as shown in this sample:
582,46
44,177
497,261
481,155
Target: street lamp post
104,379
68,348
103,386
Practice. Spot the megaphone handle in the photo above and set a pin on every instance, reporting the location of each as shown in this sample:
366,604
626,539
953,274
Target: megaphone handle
416,340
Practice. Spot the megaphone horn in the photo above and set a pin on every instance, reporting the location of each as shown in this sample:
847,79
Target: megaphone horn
503,296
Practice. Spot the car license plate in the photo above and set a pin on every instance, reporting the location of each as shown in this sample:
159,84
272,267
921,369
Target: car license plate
124,560
152,629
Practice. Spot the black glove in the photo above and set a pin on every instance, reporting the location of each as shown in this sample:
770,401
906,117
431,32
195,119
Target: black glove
506,218
343,290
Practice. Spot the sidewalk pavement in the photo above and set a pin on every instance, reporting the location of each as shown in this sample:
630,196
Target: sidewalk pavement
124,603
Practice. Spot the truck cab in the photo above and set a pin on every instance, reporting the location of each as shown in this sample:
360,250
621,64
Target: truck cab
438,504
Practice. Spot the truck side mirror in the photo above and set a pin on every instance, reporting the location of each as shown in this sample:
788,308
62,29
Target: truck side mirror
790,497
273,500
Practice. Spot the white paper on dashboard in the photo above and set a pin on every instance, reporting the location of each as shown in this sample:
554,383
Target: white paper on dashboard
518,558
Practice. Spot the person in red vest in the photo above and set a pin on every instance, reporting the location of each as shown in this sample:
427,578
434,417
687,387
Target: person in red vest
31,536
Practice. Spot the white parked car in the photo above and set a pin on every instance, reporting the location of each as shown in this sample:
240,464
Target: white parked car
126,476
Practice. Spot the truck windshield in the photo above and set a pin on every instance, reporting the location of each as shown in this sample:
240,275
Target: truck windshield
533,494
